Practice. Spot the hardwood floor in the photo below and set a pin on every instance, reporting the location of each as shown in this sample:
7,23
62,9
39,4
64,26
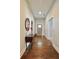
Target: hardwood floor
41,49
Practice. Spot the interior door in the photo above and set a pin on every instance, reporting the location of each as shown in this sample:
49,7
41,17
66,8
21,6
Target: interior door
50,28
39,29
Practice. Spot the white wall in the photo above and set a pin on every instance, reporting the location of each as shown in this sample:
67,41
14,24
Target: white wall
24,13
56,32
54,12
30,16
40,21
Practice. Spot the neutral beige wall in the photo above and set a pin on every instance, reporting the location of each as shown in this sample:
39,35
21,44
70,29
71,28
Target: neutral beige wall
22,21
54,12
24,13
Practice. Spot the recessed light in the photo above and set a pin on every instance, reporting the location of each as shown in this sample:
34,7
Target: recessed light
40,12
39,26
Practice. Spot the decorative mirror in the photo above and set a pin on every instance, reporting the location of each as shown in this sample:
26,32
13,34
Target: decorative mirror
27,24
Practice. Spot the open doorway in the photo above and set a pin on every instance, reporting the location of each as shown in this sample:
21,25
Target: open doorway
39,29
50,28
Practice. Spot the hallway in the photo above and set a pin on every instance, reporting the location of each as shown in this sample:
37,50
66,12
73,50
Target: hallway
41,49
40,18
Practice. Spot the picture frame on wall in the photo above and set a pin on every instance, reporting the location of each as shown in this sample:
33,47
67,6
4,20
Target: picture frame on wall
27,24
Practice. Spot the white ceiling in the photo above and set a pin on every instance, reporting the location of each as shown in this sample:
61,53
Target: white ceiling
40,5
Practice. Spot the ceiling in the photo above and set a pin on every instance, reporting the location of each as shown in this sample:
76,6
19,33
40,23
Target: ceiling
40,8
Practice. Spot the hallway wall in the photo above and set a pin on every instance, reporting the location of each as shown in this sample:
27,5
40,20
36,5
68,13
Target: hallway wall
30,16
22,28
54,12
24,13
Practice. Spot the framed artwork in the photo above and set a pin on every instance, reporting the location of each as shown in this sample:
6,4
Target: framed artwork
27,24
31,25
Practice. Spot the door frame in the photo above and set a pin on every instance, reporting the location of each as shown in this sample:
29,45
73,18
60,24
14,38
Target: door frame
41,28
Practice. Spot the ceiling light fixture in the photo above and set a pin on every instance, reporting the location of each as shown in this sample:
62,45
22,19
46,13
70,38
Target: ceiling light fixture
40,12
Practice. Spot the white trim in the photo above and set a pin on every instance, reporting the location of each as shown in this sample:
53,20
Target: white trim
22,51
56,48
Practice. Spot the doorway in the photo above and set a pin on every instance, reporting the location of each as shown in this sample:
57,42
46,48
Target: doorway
50,28
39,29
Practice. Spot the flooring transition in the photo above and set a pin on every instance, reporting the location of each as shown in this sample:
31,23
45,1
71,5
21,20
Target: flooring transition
41,49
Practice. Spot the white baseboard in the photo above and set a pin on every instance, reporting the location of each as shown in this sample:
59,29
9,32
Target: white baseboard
22,51
56,48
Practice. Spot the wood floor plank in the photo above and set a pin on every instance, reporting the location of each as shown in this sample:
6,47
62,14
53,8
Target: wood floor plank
41,49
